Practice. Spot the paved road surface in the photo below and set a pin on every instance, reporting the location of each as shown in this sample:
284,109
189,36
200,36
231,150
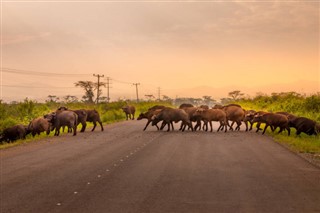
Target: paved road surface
127,170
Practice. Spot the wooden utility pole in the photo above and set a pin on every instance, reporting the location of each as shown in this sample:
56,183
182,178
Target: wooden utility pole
159,90
99,76
108,87
137,84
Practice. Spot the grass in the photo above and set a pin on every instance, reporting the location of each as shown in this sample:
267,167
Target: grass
24,112
302,143
296,104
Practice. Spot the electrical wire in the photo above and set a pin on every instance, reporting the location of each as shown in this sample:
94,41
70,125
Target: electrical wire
29,72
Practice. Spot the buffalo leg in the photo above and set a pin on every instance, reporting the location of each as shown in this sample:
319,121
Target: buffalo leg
94,126
149,121
225,126
74,130
163,125
190,126
265,128
258,127
172,125
198,125
288,129
101,125
211,129
84,125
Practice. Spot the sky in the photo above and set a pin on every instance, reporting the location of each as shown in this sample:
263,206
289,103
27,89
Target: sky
180,48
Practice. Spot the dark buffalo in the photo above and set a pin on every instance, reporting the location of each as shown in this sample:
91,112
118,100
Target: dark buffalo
273,120
209,115
14,133
129,111
236,114
63,118
193,117
289,115
94,117
148,115
184,105
259,113
249,115
305,125
169,115
156,107
38,125
85,116
82,118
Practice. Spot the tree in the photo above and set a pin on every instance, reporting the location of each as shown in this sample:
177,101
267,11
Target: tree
70,98
207,100
235,95
52,99
88,86
225,101
166,98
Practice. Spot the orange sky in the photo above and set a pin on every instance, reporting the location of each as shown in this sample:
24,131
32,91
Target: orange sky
183,47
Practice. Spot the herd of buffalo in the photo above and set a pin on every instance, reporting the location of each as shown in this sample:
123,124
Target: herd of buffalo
202,116
234,113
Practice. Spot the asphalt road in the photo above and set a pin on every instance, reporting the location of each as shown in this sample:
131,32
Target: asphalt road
124,169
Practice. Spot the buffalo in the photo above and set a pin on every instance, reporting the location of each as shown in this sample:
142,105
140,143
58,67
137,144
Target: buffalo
170,115
305,125
14,133
273,120
209,115
148,115
38,125
63,118
129,111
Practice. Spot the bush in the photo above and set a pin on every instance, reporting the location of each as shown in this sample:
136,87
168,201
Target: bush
291,102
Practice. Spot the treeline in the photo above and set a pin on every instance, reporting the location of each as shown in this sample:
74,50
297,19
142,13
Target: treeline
292,102
23,112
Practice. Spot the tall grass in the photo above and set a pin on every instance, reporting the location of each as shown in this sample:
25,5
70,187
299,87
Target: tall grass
24,112
294,103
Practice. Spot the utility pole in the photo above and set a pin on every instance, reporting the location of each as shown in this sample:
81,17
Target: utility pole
159,90
108,87
137,84
99,76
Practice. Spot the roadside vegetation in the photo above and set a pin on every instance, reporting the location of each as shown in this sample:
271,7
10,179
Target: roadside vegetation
294,103
291,102
23,112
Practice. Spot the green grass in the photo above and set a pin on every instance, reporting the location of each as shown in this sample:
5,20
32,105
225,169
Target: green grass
299,105
24,112
302,143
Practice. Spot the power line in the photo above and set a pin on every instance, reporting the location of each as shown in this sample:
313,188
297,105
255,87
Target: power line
122,82
21,86
29,72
